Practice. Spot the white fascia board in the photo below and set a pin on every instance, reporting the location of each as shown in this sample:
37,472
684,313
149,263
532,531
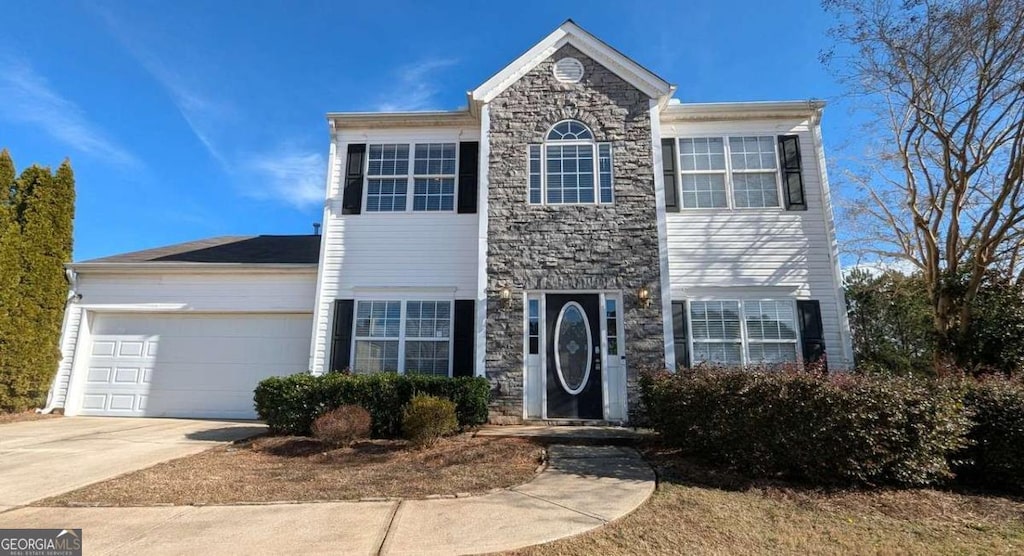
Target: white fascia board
190,268
346,120
635,74
742,110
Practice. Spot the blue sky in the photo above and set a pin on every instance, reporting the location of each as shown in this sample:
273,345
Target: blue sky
190,119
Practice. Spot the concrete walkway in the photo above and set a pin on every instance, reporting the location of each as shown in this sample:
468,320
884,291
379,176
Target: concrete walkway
582,488
39,459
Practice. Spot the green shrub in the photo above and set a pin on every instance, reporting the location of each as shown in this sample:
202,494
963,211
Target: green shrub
838,428
290,404
996,452
428,418
343,425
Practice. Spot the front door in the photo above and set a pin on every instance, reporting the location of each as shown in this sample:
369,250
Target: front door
573,374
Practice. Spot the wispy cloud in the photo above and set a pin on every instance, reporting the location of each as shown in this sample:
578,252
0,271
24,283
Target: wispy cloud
417,86
286,174
29,98
293,176
203,115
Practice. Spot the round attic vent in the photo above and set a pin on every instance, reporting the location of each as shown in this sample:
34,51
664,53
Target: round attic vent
568,70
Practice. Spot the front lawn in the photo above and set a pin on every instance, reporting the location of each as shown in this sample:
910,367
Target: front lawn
292,468
698,509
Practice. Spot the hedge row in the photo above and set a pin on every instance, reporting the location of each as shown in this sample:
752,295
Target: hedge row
995,452
841,428
290,404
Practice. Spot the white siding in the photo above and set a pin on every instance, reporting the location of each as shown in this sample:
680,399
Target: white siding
791,250
244,290
241,291
403,251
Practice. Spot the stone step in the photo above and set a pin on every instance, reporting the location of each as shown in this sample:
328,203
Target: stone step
589,434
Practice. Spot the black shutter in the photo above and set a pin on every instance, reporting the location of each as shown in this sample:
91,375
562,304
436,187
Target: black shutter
469,152
811,331
341,339
679,334
792,176
668,165
463,339
352,197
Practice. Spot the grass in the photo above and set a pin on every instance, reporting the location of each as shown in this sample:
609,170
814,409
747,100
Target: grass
698,509
23,416
272,469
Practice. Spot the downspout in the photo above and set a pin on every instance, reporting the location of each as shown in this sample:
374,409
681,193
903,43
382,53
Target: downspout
73,296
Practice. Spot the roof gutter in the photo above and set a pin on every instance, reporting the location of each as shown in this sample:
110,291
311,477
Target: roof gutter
181,266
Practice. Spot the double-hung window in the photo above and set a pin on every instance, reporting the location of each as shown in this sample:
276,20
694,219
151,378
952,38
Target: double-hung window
403,337
431,179
754,172
729,172
570,168
387,178
743,332
702,163
434,177
377,336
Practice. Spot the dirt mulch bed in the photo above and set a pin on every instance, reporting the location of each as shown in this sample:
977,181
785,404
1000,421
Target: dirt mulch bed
701,509
285,468
29,415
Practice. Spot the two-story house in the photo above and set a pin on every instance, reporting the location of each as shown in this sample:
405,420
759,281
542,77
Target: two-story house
573,226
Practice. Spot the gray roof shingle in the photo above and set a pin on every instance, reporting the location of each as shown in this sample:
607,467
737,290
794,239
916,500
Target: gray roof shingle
293,249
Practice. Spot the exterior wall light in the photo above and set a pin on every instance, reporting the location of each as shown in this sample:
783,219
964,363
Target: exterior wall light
643,296
506,298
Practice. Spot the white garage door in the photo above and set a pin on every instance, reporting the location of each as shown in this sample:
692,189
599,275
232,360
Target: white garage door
189,365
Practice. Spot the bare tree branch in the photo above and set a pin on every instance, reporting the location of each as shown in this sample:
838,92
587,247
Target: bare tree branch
947,188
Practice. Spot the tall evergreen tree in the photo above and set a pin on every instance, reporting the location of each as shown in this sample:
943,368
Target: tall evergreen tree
46,246
11,338
36,214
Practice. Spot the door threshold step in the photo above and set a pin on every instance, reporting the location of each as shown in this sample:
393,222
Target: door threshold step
588,434
574,422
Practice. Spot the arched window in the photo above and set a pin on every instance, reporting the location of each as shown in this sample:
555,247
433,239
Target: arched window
570,130
570,168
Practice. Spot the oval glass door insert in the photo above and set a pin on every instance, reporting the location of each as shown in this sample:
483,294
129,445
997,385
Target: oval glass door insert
573,348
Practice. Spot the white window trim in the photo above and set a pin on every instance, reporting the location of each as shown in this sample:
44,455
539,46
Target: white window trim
404,300
544,174
730,200
410,177
595,158
744,341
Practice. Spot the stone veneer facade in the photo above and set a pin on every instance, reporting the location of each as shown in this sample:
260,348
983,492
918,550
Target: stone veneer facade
570,247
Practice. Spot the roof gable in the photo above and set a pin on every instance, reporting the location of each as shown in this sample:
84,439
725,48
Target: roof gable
570,33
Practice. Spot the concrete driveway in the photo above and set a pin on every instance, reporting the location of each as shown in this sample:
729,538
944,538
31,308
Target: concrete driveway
39,459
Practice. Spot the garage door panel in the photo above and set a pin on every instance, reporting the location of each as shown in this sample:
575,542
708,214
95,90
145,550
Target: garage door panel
189,365
98,375
104,348
231,404
97,402
216,376
262,350
128,375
